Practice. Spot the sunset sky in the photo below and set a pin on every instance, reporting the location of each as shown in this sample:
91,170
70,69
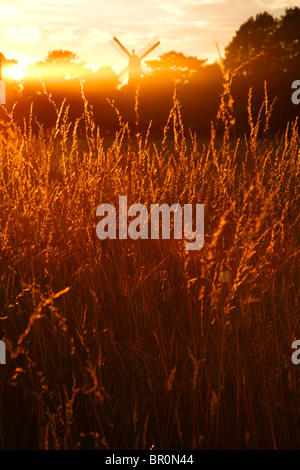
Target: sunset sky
30,28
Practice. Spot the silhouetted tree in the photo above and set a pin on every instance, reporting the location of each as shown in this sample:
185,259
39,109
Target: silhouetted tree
287,39
274,44
277,39
198,88
174,66
61,73
61,56
60,65
253,37
7,62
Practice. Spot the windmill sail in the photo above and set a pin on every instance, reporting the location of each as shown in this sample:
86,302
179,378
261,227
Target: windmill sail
120,48
148,48
120,75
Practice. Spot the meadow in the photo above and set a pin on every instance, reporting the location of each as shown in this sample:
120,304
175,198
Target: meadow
123,344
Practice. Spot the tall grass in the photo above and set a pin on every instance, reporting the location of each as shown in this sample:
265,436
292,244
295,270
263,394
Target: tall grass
122,344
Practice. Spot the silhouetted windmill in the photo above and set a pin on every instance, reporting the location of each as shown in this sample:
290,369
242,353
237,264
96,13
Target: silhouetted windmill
134,67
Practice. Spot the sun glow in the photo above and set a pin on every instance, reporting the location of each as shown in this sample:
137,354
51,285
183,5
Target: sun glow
15,72
7,11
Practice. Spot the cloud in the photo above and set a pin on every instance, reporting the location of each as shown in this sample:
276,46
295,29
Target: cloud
24,34
7,11
61,35
276,4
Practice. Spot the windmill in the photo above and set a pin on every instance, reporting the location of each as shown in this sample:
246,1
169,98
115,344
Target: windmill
134,67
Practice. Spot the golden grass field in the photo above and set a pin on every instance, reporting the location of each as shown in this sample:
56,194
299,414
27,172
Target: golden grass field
123,344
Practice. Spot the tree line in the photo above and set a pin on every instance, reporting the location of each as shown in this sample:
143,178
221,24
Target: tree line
264,54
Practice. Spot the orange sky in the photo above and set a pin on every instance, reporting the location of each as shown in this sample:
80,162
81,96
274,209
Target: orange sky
30,28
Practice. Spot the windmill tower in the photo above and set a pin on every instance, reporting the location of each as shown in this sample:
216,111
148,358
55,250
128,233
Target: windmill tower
134,67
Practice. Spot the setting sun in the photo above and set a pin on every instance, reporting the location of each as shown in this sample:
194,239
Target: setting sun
15,71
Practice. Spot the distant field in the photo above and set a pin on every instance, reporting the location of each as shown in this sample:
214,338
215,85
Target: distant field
123,344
